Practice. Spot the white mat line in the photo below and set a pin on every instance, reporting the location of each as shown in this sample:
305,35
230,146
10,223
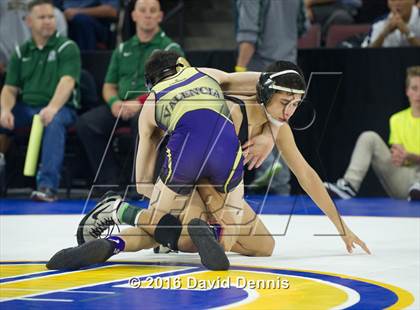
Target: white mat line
45,299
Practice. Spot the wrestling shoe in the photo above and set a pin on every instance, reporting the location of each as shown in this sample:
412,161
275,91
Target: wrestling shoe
90,253
212,255
100,218
215,228
414,192
341,189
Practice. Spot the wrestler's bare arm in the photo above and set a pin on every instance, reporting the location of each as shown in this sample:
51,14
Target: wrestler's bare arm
149,138
312,184
242,83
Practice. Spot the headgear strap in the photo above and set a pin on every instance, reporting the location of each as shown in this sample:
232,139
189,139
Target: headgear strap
286,89
165,72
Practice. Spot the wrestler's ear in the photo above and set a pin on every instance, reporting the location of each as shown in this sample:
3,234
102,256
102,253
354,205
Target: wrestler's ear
264,92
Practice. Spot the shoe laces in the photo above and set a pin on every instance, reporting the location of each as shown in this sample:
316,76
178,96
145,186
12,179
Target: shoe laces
102,225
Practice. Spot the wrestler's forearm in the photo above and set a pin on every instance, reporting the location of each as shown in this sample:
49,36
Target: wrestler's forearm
313,186
242,83
145,163
307,177
144,183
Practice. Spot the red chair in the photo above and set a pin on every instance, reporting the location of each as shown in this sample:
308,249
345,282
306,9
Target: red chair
339,33
312,38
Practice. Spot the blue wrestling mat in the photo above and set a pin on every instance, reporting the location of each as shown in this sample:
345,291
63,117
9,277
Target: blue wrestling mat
306,271
274,205
150,286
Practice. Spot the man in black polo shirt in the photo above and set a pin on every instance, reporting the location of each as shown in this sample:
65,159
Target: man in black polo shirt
41,79
124,82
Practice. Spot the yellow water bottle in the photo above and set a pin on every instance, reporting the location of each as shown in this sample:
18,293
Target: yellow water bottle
34,145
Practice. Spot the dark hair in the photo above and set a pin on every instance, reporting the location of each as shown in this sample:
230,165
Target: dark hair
160,65
290,80
35,3
265,85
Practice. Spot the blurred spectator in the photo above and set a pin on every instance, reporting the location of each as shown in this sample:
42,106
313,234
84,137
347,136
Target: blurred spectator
129,26
398,168
268,31
42,78
401,27
14,30
329,12
90,21
124,82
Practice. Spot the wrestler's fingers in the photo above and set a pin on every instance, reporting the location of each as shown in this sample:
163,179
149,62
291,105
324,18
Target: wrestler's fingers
363,246
259,162
247,159
247,144
349,248
253,163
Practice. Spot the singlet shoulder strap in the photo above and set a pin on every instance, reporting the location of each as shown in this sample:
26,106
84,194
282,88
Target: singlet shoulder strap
243,130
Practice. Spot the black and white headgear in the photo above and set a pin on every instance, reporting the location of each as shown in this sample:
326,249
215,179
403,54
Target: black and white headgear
267,87
166,71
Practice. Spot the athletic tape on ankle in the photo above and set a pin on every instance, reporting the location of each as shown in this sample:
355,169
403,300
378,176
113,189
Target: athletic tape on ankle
128,214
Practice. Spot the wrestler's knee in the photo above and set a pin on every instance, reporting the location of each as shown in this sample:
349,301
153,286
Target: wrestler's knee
262,246
266,247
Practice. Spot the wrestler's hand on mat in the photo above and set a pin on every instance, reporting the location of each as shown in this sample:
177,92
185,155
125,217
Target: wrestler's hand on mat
47,114
256,150
350,239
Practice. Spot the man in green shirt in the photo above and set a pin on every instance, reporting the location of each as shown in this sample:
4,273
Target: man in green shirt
41,79
124,83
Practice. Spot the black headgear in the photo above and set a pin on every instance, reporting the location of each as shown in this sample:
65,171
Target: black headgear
165,72
266,86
